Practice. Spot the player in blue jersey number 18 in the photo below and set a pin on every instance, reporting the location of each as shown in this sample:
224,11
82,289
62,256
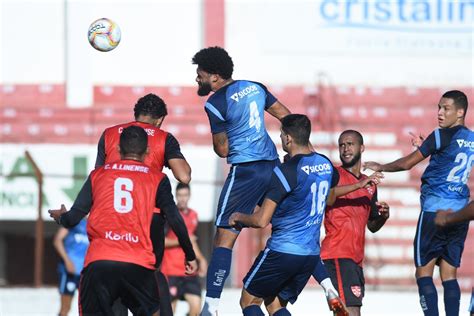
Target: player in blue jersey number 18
294,203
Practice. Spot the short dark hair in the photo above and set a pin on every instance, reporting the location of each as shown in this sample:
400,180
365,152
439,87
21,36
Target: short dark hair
180,186
459,98
133,140
150,105
297,126
357,134
214,60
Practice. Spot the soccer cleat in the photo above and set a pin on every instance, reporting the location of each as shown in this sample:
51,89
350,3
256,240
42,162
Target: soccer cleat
336,305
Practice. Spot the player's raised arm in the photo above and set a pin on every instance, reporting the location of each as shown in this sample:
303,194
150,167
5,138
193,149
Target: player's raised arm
374,179
278,110
401,164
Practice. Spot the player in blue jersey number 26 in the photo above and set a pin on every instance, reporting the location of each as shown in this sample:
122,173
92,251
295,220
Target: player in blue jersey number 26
443,186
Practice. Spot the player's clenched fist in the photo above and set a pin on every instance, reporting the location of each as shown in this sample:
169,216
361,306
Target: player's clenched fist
384,209
441,218
191,267
55,214
233,220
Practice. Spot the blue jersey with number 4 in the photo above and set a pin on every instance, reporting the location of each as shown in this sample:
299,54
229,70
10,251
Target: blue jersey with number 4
444,182
300,187
238,109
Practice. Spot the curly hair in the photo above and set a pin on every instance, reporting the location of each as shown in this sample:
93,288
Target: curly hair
150,105
214,60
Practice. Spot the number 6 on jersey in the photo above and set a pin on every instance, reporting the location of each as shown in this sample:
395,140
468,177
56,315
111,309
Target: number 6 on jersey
123,200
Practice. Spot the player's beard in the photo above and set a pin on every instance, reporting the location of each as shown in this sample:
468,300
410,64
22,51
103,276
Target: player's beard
352,162
204,89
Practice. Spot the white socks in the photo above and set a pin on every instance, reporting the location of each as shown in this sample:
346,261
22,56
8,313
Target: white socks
211,305
327,285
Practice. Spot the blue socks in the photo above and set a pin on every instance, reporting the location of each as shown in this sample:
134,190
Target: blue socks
452,297
253,310
428,296
282,312
218,271
320,273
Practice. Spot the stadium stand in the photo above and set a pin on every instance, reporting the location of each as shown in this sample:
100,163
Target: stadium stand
37,114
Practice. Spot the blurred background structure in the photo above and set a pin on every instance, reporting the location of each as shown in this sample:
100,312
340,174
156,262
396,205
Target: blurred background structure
378,66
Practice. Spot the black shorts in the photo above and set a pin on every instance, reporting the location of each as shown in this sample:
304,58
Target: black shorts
102,282
180,285
348,278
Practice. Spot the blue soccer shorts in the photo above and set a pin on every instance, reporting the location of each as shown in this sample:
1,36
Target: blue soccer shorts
279,274
68,283
432,242
244,189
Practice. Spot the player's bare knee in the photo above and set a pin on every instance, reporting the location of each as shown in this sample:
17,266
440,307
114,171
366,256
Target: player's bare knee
225,238
247,299
447,271
274,304
426,270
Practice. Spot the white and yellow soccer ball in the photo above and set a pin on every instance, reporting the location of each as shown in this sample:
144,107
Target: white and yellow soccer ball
104,34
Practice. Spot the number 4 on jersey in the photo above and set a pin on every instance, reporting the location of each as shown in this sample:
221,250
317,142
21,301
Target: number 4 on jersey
254,120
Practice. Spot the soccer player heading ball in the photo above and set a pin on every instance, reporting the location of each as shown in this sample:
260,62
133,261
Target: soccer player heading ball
235,111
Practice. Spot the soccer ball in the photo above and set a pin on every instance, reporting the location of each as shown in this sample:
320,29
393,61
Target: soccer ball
104,34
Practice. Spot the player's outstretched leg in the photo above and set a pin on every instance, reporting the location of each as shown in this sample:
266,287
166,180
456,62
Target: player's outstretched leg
218,270
217,273
335,303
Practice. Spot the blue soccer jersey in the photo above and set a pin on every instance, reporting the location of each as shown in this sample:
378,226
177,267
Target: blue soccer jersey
238,110
444,182
300,187
76,244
